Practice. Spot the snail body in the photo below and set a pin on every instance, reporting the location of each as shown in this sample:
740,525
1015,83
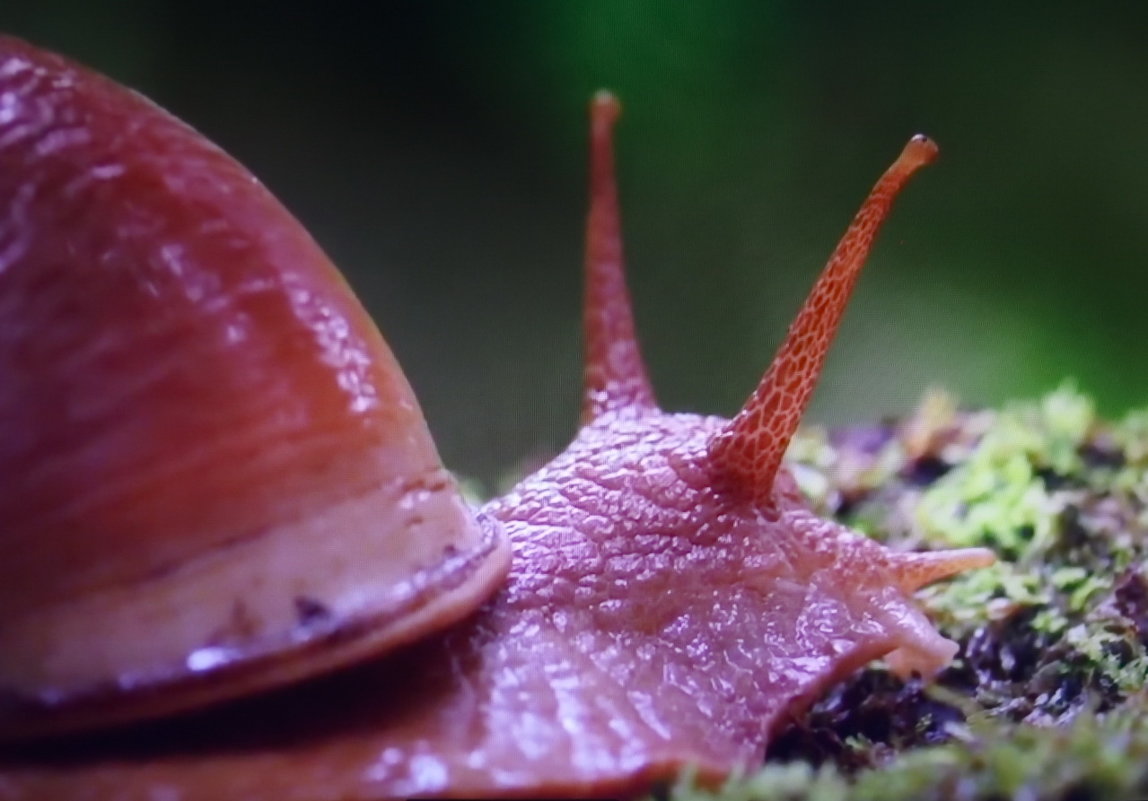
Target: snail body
670,597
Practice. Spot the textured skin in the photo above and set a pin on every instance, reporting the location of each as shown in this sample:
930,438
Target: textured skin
614,377
650,622
661,612
755,441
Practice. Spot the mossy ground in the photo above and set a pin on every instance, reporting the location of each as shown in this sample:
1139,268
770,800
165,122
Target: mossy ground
1046,698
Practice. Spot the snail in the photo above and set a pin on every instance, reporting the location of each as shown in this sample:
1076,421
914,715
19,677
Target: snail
204,432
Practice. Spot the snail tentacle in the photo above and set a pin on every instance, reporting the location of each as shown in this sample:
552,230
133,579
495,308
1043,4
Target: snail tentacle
750,448
614,376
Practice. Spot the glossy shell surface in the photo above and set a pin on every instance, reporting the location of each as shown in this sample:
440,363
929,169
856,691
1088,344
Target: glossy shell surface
214,477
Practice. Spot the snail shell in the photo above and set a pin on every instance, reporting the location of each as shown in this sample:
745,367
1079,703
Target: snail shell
214,477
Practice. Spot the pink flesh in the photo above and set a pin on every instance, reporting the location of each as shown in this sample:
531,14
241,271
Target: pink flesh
657,615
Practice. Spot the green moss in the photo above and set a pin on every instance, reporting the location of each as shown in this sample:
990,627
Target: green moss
976,597
1095,757
999,496
1132,437
1049,682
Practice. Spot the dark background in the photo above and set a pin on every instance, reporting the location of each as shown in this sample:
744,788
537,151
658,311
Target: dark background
436,150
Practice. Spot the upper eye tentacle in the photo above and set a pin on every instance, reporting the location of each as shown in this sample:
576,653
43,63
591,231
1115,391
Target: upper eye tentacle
750,448
614,375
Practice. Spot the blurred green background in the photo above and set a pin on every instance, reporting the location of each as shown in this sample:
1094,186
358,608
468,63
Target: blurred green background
436,150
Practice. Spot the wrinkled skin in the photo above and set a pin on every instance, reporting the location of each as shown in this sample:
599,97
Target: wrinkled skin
641,630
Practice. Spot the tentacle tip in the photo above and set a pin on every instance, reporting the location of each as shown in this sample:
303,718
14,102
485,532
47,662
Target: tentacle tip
920,150
926,654
979,557
917,569
605,108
